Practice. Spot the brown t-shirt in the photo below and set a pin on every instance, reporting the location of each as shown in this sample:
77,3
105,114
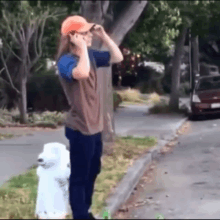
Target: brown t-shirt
83,95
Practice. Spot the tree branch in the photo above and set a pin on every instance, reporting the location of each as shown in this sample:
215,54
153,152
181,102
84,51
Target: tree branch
35,39
39,67
22,34
2,70
41,36
13,52
28,34
54,16
9,28
39,52
53,13
126,20
28,59
40,23
8,55
105,5
33,27
42,31
5,81
92,11
8,74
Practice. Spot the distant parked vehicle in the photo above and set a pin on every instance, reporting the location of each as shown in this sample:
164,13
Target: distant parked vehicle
207,69
214,70
206,96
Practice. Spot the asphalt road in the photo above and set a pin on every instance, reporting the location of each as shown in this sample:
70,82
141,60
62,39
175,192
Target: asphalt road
186,182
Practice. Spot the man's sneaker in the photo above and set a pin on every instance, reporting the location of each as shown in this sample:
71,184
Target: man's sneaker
91,216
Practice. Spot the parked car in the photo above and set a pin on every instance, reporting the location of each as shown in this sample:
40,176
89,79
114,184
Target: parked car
206,96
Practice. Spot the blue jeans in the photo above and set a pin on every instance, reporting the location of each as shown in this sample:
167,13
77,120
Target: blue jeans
85,162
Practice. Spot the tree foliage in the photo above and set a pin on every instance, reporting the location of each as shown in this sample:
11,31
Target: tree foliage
157,27
52,26
161,22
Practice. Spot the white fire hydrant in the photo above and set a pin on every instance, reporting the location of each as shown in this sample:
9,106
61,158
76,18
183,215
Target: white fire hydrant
53,187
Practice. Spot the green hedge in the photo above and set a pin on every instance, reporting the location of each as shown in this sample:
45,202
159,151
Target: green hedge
45,92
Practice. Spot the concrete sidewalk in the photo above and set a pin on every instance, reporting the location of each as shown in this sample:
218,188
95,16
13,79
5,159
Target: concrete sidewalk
135,120
20,153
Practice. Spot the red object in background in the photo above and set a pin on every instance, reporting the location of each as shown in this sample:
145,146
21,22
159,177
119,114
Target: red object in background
130,62
206,96
128,67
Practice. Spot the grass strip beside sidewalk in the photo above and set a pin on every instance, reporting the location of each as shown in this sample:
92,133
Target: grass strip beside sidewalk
18,195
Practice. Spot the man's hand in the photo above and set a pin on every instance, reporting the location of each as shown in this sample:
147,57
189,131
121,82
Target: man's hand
98,31
77,40
116,55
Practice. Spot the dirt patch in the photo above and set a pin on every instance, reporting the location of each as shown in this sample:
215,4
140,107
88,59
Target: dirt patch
185,128
168,148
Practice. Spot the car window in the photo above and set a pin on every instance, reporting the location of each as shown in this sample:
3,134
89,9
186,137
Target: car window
213,69
215,79
208,84
205,86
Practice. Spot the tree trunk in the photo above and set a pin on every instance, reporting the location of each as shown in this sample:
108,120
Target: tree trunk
118,30
23,99
174,97
195,59
108,129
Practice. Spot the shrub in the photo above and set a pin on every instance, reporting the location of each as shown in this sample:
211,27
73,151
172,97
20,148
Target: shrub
160,107
144,87
117,100
163,108
130,95
154,99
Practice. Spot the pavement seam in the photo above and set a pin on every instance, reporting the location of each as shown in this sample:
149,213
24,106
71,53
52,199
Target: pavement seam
134,174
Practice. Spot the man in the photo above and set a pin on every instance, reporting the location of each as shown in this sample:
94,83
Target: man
77,66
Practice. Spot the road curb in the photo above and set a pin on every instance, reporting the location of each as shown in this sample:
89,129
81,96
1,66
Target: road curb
134,174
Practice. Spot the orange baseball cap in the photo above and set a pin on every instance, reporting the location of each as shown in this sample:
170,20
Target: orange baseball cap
75,23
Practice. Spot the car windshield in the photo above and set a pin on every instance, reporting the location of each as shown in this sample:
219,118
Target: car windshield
208,83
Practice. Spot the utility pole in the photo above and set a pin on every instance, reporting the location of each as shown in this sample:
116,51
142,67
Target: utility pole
190,65
195,59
